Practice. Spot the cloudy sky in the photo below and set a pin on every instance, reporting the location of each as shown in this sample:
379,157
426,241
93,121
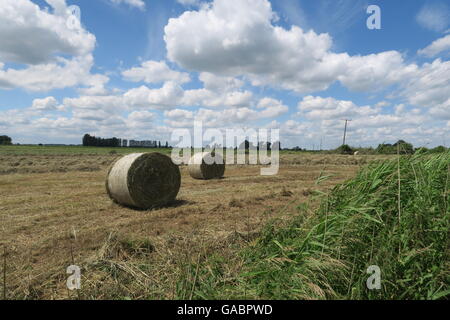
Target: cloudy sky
140,68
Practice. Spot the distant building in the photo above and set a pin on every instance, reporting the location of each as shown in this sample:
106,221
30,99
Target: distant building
144,143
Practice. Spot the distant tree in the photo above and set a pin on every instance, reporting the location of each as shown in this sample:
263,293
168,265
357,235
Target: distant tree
264,146
5,140
115,142
245,145
400,146
167,144
344,149
86,140
439,149
89,140
159,144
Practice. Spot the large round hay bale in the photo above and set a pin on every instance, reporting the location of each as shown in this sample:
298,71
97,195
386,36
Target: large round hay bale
143,180
205,165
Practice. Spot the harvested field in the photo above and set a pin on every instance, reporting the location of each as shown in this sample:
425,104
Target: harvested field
55,212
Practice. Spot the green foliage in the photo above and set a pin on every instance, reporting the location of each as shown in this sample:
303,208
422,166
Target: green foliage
421,150
366,221
344,149
400,146
89,140
439,149
424,150
5,140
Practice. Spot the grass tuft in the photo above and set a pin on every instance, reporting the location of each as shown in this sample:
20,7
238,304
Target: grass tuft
326,255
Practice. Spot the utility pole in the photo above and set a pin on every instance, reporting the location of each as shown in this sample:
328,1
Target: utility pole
345,129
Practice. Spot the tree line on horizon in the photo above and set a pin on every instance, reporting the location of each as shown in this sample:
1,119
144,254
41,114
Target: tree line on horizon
92,141
400,147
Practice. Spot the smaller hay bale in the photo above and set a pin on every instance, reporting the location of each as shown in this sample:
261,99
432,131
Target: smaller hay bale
206,165
143,180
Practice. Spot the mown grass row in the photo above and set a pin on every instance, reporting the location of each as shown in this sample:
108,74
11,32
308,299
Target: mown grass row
393,214
73,150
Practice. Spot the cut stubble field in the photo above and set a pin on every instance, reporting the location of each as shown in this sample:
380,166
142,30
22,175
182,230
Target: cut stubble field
54,212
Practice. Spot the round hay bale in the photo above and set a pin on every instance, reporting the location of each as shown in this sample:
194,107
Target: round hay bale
205,165
143,180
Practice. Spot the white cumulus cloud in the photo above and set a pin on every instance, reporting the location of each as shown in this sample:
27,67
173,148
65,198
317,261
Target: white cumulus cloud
30,35
436,47
49,103
155,72
53,51
229,38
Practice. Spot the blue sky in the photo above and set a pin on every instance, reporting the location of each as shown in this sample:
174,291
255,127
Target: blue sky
300,66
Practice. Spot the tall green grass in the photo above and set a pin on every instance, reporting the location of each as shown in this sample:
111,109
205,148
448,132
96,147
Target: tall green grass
393,214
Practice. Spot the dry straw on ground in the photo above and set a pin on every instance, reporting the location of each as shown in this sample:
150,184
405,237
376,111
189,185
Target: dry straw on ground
143,180
206,165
